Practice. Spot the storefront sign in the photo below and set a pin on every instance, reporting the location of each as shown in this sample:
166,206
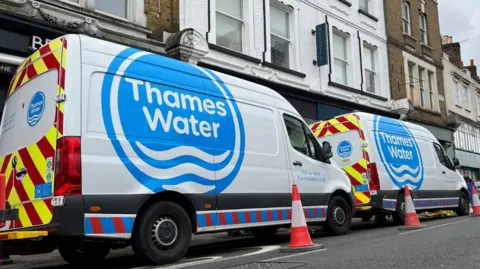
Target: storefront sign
37,42
322,44
7,68
468,159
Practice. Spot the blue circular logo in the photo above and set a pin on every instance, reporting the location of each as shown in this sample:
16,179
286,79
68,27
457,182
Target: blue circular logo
344,149
172,123
399,152
35,108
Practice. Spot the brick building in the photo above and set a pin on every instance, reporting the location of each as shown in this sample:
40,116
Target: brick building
26,25
415,65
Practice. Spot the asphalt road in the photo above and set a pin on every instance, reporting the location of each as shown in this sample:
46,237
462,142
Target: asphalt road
444,243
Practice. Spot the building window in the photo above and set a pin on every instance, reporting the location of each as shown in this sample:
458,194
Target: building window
465,97
365,5
421,77
478,105
369,66
423,28
456,92
411,81
406,17
230,24
280,36
114,7
340,57
431,79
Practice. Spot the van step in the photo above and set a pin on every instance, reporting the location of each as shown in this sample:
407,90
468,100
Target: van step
17,235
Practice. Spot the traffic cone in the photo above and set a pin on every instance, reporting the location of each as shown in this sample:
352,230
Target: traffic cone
411,218
299,237
475,203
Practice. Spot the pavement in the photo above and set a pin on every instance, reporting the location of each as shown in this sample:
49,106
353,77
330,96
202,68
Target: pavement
449,242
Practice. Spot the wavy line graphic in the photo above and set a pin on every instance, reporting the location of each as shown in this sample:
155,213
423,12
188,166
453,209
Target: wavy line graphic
180,151
407,178
404,168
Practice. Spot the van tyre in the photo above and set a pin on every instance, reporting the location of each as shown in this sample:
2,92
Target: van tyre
463,204
339,216
83,255
162,233
399,214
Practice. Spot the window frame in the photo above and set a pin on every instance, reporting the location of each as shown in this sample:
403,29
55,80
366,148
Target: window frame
288,39
242,23
456,93
306,133
449,164
369,7
430,78
422,18
373,53
465,97
129,16
421,71
407,20
345,36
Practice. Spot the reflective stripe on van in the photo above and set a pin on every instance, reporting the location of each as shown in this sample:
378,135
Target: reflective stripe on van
29,168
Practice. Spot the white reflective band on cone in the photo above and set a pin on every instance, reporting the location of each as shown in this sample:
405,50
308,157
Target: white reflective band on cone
298,218
409,205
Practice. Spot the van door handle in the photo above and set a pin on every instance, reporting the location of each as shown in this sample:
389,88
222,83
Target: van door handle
443,172
21,173
297,163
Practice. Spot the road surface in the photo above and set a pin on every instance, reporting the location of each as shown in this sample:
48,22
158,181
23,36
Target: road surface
445,243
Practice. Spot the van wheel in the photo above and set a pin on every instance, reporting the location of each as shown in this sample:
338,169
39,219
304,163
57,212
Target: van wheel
399,215
463,204
83,255
162,233
264,234
339,216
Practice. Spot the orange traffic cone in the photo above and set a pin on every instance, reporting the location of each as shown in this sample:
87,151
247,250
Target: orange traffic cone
300,237
411,218
475,202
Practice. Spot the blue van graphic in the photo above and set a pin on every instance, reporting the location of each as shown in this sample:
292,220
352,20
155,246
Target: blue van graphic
170,127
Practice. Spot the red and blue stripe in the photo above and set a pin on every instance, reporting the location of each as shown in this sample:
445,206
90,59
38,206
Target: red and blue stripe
252,217
104,224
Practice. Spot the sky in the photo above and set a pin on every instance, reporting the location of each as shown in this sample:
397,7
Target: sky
461,19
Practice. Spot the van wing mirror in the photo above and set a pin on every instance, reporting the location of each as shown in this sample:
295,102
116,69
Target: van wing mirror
456,162
327,150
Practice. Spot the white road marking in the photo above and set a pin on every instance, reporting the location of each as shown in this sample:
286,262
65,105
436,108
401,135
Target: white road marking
293,255
264,249
436,226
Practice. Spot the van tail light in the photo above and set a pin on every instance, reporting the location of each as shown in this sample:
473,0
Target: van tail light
68,167
372,175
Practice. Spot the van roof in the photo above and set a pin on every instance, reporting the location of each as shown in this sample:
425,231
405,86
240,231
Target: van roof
91,43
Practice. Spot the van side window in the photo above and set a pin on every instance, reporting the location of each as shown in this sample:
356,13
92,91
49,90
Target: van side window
443,157
299,137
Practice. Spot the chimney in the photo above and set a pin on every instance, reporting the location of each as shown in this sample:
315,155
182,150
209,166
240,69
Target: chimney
446,39
473,70
453,50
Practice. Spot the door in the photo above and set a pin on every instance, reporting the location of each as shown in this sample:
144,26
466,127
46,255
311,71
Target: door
309,173
29,133
446,171
350,151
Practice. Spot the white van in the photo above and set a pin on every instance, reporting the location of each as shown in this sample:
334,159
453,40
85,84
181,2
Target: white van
106,146
381,155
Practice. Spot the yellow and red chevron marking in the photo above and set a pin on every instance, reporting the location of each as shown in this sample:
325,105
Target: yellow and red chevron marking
20,194
356,171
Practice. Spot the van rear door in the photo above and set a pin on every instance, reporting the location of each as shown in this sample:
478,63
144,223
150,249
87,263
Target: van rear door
30,128
349,149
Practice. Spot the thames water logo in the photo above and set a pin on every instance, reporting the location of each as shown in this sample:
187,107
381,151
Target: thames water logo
399,152
35,108
344,149
172,123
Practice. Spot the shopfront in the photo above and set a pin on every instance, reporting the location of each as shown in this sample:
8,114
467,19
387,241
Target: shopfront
19,38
